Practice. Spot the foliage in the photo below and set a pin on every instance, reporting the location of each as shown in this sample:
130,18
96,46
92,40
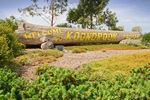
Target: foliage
120,28
64,84
116,28
60,83
48,11
10,47
90,14
116,65
146,37
54,83
133,42
110,19
10,22
11,85
137,29
64,25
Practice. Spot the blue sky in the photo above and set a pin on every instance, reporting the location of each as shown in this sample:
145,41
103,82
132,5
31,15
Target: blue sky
130,13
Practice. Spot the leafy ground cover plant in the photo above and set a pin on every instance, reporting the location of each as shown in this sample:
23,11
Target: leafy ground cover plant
64,84
11,85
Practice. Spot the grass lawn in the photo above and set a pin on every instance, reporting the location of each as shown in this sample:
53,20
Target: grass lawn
117,64
105,47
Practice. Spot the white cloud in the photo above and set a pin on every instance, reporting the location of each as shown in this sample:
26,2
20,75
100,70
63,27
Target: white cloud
129,18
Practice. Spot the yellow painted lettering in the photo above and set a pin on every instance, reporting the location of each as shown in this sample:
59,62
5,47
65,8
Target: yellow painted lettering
27,35
60,30
114,36
109,37
49,32
33,34
82,36
55,30
44,32
76,36
68,35
99,36
132,36
88,36
104,36
94,36
38,34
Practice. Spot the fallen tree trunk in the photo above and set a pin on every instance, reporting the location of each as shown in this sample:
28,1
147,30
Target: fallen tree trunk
30,34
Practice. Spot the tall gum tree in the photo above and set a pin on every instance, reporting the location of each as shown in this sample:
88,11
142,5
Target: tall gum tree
46,9
90,13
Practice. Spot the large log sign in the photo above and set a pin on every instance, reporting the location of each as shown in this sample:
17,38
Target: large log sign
30,34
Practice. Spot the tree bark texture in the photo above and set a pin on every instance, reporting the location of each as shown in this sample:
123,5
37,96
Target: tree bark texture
31,34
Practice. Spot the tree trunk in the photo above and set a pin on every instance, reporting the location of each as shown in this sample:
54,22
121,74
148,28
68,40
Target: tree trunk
31,34
53,13
91,19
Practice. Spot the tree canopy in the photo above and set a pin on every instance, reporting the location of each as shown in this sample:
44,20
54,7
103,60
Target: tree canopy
48,11
137,29
90,13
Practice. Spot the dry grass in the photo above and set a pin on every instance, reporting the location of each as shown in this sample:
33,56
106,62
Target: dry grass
37,57
117,64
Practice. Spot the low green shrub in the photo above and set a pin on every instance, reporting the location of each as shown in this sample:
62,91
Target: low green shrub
54,83
10,22
146,38
64,84
49,52
10,47
11,85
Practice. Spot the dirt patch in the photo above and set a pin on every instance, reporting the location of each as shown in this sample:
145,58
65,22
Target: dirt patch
74,61
28,72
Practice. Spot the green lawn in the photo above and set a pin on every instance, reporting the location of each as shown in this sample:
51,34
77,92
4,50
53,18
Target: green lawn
116,64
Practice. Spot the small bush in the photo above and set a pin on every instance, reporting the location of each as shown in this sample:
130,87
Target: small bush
10,22
9,46
146,38
11,85
54,53
78,50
